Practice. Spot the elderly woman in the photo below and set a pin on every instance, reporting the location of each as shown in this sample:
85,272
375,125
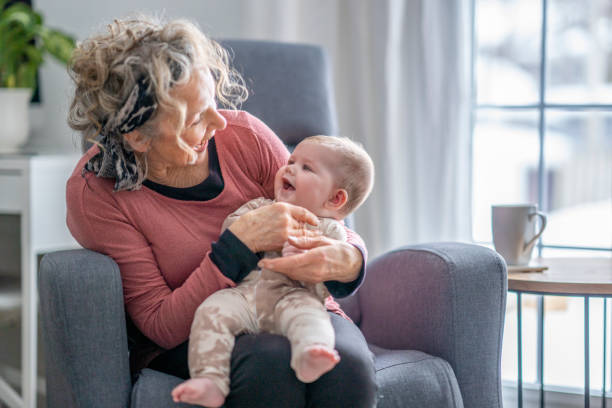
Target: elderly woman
165,170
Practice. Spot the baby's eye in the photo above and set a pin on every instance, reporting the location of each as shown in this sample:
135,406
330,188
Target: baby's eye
307,168
290,161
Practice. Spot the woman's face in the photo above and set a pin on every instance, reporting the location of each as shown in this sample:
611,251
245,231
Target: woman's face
201,122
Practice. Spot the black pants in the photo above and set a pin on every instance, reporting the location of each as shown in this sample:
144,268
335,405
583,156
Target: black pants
261,375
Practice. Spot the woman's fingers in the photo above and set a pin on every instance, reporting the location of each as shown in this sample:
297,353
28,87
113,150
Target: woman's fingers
303,267
307,241
268,227
300,214
328,259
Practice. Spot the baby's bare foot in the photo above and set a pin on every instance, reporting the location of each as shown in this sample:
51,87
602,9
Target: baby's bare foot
314,362
199,391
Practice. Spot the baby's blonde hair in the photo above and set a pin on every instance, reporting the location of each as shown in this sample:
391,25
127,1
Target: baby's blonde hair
354,170
106,67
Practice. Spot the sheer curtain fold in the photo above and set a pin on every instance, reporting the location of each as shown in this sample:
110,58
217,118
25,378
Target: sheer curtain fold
401,76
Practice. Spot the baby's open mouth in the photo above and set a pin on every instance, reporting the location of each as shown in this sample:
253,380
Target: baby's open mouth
287,185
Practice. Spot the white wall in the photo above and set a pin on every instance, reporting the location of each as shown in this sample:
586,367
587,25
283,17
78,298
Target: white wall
218,18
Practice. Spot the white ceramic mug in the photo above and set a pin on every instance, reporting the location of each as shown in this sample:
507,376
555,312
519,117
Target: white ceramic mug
514,231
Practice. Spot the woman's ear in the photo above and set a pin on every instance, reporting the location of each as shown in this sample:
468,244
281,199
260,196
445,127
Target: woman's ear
137,141
338,199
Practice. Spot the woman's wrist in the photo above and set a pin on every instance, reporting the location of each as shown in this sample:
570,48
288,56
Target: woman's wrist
349,266
241,231
355,262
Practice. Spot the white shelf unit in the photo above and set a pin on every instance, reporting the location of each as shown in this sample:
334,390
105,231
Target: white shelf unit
32,186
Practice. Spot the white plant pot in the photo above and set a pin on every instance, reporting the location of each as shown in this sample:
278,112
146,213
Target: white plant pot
14,121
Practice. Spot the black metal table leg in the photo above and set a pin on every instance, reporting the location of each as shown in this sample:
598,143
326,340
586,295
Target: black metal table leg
587,386
541,348
605,342
519,331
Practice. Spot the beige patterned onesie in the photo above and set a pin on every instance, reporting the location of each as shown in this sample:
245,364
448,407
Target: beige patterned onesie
264,301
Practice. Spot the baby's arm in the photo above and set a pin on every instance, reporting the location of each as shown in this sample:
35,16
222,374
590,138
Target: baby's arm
333,229
245,208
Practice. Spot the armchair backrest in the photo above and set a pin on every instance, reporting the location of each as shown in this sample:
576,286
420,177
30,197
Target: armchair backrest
289,87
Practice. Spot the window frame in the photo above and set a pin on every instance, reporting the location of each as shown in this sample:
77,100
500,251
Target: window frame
541,107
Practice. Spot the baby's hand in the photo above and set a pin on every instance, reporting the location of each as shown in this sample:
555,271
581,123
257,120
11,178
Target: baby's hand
289,250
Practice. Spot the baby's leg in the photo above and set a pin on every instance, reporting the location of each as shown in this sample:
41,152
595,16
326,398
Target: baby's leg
303,319
217,321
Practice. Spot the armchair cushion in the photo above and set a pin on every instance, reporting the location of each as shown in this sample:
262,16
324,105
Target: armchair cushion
406,379
413,379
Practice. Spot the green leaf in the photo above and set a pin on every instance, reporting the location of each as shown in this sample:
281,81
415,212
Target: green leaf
19,13
26,76
59,45
24,43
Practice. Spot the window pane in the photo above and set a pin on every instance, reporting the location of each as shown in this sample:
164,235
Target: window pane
578,159
579,52
505,163
507,62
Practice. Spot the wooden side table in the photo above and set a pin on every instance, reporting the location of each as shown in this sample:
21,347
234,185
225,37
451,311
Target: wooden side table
584,277
33,185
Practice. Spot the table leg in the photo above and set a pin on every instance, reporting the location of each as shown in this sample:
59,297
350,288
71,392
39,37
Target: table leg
519,331
605,342
541,348
587,386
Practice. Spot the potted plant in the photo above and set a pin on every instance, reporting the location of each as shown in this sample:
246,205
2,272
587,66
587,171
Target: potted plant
24,43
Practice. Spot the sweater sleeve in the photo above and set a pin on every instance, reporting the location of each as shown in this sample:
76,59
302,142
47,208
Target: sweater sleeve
97,222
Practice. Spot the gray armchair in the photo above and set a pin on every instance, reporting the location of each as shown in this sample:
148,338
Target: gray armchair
432,314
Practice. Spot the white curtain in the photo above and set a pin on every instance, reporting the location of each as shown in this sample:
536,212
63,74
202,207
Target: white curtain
402,84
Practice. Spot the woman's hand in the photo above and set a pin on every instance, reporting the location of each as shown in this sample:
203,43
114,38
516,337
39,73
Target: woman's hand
290,250
269,227
325,259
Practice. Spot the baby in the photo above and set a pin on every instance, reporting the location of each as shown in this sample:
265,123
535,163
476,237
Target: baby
331,177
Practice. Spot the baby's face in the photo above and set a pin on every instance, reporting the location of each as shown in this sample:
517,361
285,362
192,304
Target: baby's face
306,180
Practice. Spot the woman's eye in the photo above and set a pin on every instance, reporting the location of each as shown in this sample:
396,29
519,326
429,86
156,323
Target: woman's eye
196,122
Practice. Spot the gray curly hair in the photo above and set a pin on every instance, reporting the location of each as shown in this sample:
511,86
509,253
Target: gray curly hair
107,67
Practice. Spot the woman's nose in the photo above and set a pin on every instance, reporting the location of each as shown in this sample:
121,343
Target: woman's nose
217,121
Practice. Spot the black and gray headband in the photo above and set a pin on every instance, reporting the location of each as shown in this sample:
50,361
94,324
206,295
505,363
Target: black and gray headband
114,161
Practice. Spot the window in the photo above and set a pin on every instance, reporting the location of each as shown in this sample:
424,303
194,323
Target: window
542,133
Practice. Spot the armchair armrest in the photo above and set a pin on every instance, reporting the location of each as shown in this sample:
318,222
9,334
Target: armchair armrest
446,299
81,302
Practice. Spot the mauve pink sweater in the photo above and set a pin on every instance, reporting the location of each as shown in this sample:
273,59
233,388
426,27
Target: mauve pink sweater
161,244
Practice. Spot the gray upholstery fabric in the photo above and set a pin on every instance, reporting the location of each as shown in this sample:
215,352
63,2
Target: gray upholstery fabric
407,379
413,379
447,300
81,304
289,87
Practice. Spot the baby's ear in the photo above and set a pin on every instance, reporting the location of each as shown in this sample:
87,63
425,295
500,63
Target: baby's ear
137,141
338,199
